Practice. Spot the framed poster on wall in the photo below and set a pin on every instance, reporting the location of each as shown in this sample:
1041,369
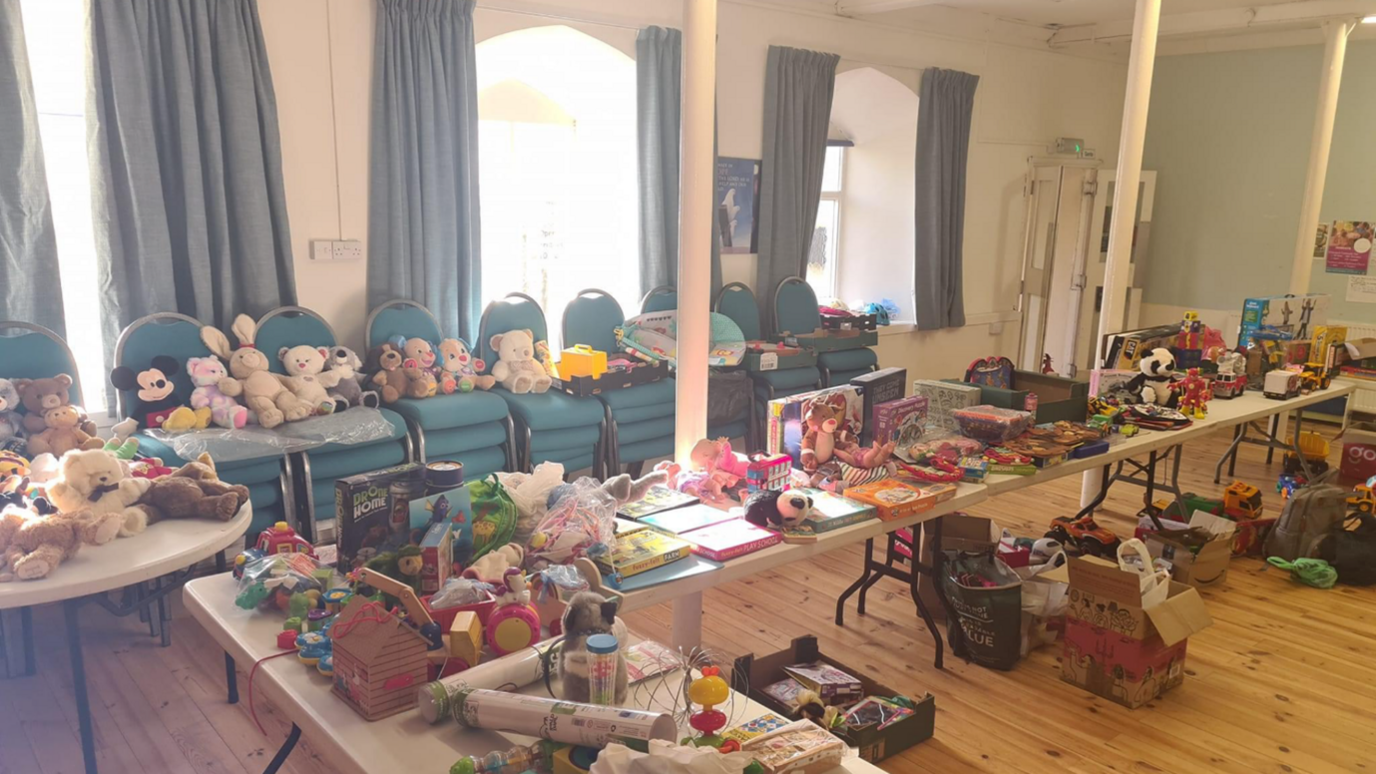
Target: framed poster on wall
738,193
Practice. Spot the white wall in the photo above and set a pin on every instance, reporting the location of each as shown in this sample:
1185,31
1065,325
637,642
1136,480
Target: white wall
1026,97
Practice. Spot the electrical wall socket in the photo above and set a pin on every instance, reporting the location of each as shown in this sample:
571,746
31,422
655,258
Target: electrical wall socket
336,250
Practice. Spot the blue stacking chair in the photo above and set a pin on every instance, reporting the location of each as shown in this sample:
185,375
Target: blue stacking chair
29,351
640,419
550,426
795,309
268,478
659,299
474,428
317,469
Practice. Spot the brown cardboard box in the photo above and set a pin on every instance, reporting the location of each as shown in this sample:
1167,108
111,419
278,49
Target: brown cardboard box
1114,648
959,532
1208,565
750,673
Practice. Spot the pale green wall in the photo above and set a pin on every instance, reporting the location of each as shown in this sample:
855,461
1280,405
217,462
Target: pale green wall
1229,134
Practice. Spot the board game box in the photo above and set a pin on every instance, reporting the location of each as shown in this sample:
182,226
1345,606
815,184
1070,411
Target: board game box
878,387
730,539
901,421
363,513
892,499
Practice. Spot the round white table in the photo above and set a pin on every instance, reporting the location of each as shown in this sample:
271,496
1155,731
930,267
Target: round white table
162,549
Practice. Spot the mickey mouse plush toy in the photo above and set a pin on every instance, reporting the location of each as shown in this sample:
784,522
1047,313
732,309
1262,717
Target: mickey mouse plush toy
1153,384
154,390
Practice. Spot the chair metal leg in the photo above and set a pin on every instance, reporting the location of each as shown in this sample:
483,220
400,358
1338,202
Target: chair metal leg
526,464
231,680
511,464
415,440
826,375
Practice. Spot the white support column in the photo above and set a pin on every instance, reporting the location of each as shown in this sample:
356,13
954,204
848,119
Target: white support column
1335,33
1141,64
696,173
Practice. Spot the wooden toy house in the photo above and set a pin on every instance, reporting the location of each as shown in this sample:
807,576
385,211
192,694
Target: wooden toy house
379,660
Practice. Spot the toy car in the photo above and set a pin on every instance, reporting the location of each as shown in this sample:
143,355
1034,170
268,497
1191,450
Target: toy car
1315,449
1242,501
1228,386
1281,385
1084,536
244,557
1287,484
1362,499
282,539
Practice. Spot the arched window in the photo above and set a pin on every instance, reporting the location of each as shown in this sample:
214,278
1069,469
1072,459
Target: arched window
556,112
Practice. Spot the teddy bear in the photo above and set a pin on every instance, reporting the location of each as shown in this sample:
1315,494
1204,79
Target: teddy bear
194,491
819,439
32,546
12,430
262,391
206,374
306,376
63,433
348,390
418,354
463,370
393,380
39,395
516,368
94,480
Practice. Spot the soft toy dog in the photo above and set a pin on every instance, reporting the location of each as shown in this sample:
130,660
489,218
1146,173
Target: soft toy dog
95,481
1153,384
419,355
12,430
207,373
194,491
516,368
262,392
63,433
463,369
305,366
32,546
348,390
392,379
39,395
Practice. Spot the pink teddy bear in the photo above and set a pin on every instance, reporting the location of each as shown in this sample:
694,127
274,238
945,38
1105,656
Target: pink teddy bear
206,373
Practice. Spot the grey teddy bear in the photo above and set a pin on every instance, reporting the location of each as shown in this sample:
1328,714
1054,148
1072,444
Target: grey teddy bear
588,614
11,422
349,390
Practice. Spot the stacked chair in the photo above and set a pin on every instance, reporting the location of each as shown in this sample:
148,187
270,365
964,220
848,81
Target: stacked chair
738,302
268,478
550,426
795,310
659,299
474,428
35,352
316,470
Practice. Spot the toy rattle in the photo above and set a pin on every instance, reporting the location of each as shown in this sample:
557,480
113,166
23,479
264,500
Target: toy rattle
514,623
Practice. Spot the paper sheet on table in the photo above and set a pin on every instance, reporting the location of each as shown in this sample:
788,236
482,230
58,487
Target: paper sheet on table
668,758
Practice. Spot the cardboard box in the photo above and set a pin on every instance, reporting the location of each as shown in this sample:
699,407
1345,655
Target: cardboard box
1287,317
784,427
363,512
777,357
750,674
1359,451
1113,647
901,421
893,499
876,387
1208,565
437,556
959,532
945,397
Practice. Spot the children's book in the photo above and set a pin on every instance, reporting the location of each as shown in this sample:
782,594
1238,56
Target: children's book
648,658
681,520
830,683
656,500
730,539
829,511
646,549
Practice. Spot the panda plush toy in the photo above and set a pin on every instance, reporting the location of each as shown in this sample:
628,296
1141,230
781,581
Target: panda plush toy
1153,383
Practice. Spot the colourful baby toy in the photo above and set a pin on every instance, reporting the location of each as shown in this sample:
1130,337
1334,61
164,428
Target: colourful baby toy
514,623
710,691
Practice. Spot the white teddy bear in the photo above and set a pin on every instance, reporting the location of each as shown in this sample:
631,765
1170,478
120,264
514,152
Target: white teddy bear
94,480
306,376
516,368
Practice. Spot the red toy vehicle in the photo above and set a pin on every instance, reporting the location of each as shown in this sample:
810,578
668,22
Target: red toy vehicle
1228,385
282,539
1084,535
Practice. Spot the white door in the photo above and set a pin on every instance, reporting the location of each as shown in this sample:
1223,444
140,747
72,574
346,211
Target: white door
1089,307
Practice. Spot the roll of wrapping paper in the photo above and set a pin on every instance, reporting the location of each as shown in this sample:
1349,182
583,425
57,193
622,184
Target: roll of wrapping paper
586,725
512,672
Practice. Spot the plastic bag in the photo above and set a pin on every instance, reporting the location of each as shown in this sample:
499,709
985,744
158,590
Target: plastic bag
1044,603
270,582
530,493
458,592
987,598
494,518
580,523
1134,557
355,426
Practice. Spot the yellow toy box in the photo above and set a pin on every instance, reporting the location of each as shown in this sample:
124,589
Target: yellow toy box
582,360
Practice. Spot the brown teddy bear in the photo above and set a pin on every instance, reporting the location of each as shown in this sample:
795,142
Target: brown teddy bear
194,491
395,381
94,481
63,433
32,546
39,395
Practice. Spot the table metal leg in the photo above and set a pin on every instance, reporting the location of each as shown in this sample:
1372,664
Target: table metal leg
220,563
164,617
1274,428
26,633
284,750
687,632
951,623
231,680
70,609
890,556
860,582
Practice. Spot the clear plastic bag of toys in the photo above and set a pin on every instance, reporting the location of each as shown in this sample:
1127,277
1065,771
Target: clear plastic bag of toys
580,523
269,582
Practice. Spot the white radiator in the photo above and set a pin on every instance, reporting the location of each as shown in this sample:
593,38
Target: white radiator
1364,399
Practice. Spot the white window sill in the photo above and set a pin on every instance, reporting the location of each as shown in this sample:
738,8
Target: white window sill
981,318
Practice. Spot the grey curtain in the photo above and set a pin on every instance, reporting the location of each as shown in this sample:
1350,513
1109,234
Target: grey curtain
423,217
943,147
798,87
30,288
186,163
659,103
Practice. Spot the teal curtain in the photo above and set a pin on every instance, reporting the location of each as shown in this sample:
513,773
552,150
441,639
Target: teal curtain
798,88
30,288
423,217
189,208
943,148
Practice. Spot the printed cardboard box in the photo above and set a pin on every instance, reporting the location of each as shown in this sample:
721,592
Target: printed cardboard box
784,426
1116,649
1205,567
1283,317
944,398
1359,452
876,387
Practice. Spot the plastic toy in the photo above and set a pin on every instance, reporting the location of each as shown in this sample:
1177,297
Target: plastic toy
244,557
582,360
1194,394
1281,385
514,623
1242,501
709,691
282,539
538,757
1084,535
1362,499
1314,448
313,646
335,599
1228,386
767,472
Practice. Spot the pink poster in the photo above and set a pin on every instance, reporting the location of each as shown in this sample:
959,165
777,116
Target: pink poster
1349,247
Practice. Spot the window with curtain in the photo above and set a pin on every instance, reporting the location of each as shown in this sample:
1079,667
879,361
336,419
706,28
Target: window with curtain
54,31
557,134
826,239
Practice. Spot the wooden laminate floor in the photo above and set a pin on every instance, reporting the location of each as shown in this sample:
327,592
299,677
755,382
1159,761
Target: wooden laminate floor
1285,680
